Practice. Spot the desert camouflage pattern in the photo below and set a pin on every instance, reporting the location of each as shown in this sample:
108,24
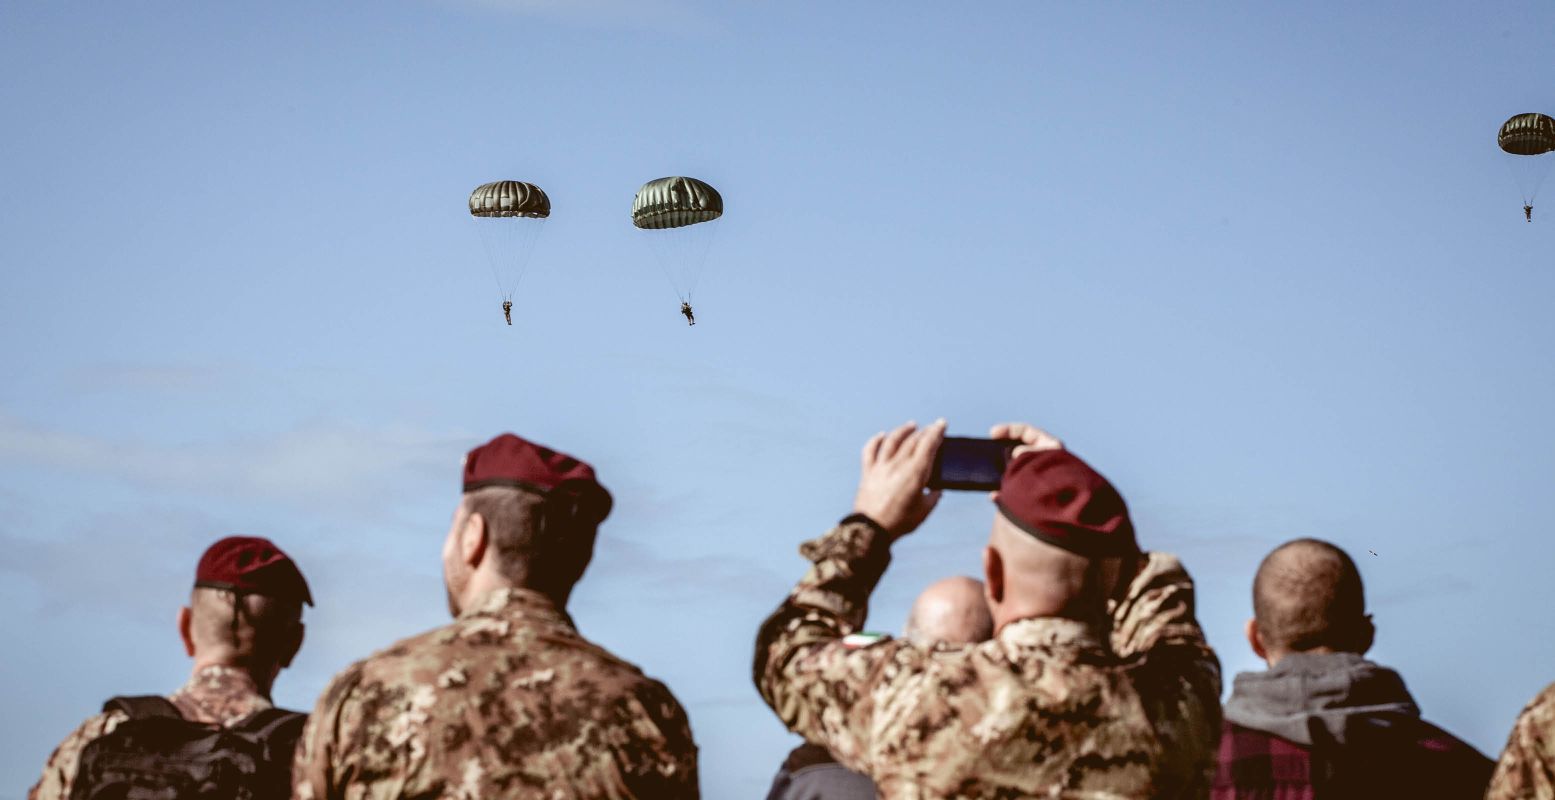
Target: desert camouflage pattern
1527,766
214,694
507,701
1048,708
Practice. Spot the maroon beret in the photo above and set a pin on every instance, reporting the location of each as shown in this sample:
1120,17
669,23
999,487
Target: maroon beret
251,565
1056,497
510,461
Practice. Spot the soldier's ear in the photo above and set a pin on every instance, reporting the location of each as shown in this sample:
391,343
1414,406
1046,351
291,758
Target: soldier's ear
185,632
293,644
993,576
473,539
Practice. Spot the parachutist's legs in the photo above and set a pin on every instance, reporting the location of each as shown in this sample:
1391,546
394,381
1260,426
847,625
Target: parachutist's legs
1528,212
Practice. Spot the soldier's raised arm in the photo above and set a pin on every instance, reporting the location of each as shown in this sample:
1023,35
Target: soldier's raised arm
820,687
1046,707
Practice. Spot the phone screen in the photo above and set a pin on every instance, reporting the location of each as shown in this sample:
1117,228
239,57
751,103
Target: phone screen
970,464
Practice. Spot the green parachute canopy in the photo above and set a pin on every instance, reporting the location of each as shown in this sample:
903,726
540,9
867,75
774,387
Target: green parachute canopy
509,215
1527,135
509,199
675,202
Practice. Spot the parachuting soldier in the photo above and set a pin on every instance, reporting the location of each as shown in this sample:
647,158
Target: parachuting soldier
509,214
1527,137
686,205
1098,681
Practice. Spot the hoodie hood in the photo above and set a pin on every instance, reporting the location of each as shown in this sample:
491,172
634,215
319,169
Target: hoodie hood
1326,689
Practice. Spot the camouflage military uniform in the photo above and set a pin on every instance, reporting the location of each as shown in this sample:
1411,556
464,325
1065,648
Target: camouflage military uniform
214,694
1045,709
1527,766
508,701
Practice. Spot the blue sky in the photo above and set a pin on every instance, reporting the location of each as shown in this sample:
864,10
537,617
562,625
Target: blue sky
1263,266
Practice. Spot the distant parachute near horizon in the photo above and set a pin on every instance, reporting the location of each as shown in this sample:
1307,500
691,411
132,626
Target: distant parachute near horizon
509,215
1527,140
674,212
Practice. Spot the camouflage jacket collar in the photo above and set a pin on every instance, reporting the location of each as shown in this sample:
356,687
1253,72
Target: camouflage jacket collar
220,694
514,602
1052,633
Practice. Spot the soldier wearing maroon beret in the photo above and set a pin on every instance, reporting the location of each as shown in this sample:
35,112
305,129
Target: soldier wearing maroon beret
509,700
1098,682
242,626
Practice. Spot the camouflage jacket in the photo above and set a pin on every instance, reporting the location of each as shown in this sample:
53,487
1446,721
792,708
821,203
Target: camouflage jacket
214,694
1527,767
1048,708
507,701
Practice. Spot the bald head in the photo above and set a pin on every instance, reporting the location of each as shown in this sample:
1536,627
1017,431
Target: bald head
1307,596
1027,577
952,611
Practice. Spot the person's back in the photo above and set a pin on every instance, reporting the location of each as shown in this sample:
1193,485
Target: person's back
1345,753
508,700
242,626
1322,721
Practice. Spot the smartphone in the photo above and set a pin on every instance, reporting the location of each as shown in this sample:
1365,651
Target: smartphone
974,465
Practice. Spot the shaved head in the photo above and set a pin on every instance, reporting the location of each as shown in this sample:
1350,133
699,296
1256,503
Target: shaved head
952,611
1027,577
252,632
1308,596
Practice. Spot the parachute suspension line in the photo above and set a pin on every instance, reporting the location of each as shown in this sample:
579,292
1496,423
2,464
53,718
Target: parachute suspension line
509,243
699,243
1529,173
664,253
493,250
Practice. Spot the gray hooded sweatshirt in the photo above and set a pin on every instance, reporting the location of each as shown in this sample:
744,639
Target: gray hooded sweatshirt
1327,687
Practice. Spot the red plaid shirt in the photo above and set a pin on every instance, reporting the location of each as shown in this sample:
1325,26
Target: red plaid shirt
1394,756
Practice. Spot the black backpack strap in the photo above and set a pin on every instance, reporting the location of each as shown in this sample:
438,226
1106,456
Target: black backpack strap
273,723
144,707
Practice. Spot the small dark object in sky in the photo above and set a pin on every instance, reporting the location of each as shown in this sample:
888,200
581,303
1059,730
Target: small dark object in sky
1373,552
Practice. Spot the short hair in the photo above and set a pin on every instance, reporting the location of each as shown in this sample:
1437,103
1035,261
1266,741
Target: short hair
1308,594
253,627
541,541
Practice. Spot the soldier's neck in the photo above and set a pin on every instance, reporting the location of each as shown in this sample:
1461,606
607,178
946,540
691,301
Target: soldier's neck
483,583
